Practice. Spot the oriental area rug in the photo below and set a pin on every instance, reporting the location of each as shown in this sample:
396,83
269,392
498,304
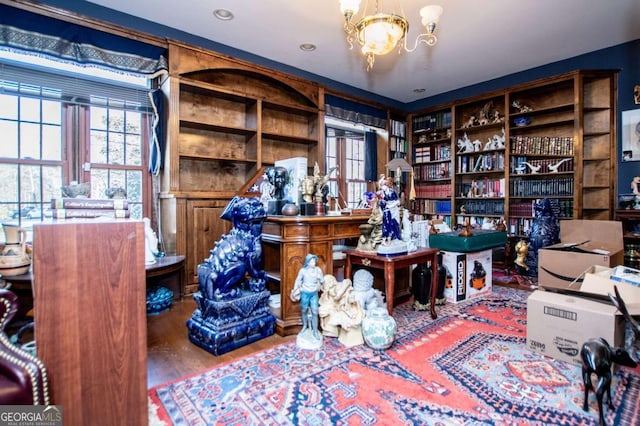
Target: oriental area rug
468,367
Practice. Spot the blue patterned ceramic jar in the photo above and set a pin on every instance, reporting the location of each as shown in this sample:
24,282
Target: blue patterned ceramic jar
378,328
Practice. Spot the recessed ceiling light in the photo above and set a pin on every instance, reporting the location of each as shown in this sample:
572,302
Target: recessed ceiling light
419,90
223,14
307,47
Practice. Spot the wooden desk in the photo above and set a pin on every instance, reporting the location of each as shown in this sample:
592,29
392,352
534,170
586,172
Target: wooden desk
286,240
389,264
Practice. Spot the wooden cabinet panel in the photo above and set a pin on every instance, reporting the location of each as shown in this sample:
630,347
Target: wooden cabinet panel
204,228
90,316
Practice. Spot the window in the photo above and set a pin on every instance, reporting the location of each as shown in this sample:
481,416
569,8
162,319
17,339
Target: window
59,127
345,149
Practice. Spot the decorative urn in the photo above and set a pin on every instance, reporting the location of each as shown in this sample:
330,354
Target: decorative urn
378,328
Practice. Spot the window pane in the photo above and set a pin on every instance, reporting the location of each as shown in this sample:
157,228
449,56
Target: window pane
51,142
52,181
9,145
29,109
8,106
98,147
51,112
30,184
116,148
116,120
134,150
30,140
98,118
99,182
8,179
134,186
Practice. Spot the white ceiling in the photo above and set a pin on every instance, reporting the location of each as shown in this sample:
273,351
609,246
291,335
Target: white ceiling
477,40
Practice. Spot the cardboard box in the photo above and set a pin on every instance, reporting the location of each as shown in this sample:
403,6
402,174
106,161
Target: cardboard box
583,243
558,324
469,275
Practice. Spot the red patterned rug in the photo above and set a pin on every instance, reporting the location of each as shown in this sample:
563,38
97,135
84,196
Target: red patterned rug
469,366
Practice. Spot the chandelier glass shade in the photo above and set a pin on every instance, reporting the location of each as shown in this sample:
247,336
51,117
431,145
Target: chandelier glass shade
379,33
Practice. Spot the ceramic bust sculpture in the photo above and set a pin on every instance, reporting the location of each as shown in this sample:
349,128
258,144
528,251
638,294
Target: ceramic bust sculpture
305,290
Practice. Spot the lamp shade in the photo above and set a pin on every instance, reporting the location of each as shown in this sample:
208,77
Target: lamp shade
349,6
379,34
430,14
399,163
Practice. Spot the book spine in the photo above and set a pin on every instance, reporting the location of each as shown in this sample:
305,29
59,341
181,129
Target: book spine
89,203
90,213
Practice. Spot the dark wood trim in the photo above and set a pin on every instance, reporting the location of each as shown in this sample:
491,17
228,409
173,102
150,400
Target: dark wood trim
76,18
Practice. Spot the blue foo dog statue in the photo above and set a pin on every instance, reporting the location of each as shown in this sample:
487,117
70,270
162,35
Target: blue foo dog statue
232,300
545,231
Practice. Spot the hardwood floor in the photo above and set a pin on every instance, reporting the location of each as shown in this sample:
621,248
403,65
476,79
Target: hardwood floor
170,354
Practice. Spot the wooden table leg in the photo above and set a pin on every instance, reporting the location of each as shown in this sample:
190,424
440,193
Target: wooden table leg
434,286
389,285
347,267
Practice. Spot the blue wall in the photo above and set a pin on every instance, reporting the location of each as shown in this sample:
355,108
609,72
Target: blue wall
624,57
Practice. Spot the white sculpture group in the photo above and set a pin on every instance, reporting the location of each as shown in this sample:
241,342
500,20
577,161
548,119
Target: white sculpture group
466,145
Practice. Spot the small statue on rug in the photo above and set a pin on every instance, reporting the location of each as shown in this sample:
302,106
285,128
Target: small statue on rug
340,313
365,294
305,290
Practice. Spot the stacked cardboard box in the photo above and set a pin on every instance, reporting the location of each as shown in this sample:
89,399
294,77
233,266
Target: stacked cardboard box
67,208
559,321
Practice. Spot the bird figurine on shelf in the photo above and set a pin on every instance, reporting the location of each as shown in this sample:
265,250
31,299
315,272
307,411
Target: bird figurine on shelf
534,169
553,168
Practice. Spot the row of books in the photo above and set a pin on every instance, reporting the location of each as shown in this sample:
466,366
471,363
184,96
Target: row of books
541,187
431,207
432,121
521,165
425,154
397,128
398,144
480,162
425,190
542,145
86,208
432,171
563,208
482,207
481,188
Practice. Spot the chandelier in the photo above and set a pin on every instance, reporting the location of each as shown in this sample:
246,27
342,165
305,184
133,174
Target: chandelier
379,33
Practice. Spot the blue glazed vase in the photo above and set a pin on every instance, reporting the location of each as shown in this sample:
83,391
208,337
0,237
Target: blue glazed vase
378,328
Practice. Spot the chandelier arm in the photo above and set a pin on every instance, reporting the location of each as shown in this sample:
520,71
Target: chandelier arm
427,38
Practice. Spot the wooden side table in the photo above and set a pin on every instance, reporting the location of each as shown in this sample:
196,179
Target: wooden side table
167,268
389,264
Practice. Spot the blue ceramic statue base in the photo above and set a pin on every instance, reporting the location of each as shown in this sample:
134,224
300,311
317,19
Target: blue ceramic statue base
222,326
